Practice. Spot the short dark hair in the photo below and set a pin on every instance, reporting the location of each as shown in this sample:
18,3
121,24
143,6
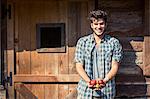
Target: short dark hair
98,14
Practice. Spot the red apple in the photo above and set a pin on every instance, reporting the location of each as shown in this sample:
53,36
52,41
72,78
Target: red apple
101,82
93,82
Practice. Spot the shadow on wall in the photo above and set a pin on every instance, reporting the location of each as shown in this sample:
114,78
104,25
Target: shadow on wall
130,79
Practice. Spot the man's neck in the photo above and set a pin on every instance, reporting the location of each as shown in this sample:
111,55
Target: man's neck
98,38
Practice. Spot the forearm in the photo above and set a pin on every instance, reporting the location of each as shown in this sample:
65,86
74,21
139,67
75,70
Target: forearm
112,73
81,72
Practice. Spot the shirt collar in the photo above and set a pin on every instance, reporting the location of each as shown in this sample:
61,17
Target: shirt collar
103,39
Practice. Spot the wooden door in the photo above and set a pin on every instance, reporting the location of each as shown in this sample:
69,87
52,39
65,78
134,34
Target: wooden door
44,73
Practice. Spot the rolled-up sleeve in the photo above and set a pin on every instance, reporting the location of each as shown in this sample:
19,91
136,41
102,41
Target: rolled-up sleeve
117,52
79,52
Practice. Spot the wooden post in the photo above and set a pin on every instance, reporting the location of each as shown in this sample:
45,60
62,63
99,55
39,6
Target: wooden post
3,27
147,39
0,37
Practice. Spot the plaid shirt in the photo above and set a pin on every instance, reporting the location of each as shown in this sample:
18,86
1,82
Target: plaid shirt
110,49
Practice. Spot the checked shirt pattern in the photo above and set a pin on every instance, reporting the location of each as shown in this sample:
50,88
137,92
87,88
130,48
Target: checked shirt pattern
111,49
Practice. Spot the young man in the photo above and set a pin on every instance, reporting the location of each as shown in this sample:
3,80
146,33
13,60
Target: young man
97,59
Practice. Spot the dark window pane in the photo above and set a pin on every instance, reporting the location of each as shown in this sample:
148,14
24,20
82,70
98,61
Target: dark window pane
50,35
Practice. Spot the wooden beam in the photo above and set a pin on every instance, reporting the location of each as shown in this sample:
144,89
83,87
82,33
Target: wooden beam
24,91
136,46
123,90
131,79
138,31
46,78
120,78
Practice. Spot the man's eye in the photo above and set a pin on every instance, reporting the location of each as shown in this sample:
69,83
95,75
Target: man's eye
101,23
96,24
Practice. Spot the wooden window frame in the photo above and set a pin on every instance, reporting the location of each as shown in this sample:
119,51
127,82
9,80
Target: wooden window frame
61,49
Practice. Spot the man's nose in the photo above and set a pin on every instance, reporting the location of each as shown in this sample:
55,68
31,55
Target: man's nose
99,25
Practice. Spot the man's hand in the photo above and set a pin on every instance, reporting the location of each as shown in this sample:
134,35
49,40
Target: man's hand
96,84
99,84
89,85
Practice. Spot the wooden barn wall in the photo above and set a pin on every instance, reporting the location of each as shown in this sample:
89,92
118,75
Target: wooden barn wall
126,22
54,74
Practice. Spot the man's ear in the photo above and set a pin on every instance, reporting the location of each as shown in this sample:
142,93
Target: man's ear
91,25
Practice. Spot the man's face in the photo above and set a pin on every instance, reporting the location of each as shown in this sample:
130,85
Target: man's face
98,26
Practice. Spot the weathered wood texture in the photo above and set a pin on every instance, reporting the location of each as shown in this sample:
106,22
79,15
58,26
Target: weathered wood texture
125,22
54,73
128,21
47,78
147,39
124,15
25,92
0,36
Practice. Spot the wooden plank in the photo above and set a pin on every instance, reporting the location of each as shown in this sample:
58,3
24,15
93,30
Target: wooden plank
24,91
38,63
138,31
22,39
147,39
63,63
62,90
47,78
23,63
147,55
72,68
85,9
52,63
72,92
127,4
131,91
130,69
10,48
130,78
38,90
72,22
24,36
18,95
51,91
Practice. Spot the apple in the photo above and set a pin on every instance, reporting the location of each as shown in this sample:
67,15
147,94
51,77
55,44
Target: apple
101,82
92,82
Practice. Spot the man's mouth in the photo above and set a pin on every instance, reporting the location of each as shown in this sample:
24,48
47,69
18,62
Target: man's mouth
99,30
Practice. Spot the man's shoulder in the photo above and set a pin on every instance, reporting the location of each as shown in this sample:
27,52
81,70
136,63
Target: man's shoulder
86,38
111,39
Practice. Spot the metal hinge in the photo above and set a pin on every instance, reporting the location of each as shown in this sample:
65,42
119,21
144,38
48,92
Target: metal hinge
8,79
